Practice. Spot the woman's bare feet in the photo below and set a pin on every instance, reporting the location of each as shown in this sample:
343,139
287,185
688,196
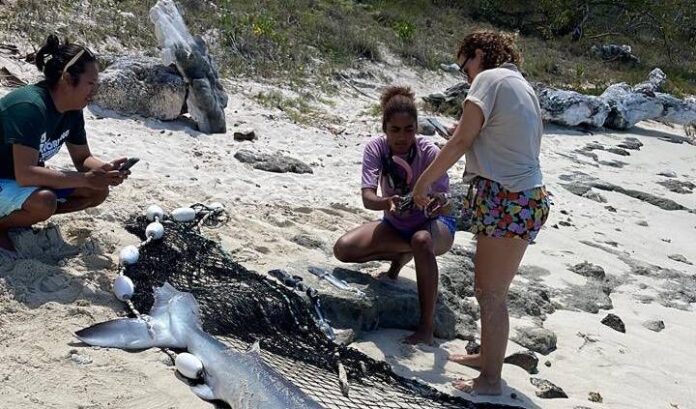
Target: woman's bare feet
5,242
420,337
397,265
479,386
470,360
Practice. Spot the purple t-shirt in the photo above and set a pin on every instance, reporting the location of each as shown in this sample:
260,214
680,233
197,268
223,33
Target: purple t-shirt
372,176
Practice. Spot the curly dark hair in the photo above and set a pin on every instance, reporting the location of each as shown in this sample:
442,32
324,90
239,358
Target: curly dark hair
397,100
498,48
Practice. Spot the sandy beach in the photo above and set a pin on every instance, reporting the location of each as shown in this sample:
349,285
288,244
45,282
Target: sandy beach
62,281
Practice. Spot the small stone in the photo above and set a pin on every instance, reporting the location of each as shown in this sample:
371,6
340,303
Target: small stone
590,270
614,322
537,339
472,347
526,360
547,363
680,258
80,359
642,223
564,223
668,174
246,135
612,209
546,389
631,143
654,325
595,397
344,336
592,195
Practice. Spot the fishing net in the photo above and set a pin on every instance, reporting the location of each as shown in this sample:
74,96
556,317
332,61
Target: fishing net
239,307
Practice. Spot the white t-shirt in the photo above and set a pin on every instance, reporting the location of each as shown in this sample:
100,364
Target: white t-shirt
507,149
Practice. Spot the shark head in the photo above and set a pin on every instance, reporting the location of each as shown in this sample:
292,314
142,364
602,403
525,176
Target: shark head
174,315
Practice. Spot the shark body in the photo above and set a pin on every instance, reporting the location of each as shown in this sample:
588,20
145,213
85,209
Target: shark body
242,380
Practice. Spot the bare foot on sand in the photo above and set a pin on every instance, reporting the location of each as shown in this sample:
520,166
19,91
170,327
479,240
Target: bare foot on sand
396,266
385,277
470,360
420,337
479,386
5,242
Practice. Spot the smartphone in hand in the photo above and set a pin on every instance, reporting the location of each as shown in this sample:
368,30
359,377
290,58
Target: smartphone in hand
439,128
128,164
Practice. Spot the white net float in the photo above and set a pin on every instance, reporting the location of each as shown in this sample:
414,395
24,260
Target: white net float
184,214
154,230
123,288
188,365
154,212
129,255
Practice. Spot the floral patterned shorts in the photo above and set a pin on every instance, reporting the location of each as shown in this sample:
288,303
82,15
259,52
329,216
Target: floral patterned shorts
497,212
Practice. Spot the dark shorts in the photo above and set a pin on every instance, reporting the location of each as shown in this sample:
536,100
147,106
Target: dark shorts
497,212
448,221
62,194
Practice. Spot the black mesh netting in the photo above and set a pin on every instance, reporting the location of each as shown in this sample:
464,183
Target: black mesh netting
239,307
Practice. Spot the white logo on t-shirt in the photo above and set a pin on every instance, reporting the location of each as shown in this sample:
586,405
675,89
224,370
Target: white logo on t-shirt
47,149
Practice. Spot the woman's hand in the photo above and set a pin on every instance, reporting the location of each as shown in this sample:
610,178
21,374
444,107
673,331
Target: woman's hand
420,194
391,203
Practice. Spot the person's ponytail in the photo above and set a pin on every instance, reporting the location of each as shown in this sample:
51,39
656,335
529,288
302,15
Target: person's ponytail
47,50
55,59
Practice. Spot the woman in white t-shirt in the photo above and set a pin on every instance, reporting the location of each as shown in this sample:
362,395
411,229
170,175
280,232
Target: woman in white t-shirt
500,132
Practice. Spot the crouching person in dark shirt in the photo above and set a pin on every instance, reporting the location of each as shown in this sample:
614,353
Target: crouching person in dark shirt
35,122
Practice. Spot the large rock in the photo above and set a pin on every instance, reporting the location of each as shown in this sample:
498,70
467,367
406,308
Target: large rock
570,108
206,99
385,305
630,105
143,86
537,339
449,102
615,52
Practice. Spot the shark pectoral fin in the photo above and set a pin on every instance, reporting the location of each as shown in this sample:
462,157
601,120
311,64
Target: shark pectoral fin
128,333
203,391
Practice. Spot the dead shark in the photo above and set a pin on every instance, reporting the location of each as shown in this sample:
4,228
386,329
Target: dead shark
242,380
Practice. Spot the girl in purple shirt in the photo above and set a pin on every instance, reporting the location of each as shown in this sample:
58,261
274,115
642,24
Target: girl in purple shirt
406,232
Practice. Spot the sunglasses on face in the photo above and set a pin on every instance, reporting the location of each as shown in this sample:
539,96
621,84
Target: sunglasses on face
461,67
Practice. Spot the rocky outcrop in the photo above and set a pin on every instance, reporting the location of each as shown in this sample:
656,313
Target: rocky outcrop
615,52
570,108
143,86
276,163
621,106
206,99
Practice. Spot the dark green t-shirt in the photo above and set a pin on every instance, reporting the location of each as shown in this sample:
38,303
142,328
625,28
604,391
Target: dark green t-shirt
28,117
